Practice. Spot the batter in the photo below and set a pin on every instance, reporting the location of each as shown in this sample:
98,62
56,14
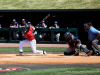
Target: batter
30,39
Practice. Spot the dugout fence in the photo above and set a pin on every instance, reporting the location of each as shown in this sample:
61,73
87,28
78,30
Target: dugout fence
46,30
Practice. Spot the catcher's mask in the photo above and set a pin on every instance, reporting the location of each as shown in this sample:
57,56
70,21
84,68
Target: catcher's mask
86,26
27,27
66,35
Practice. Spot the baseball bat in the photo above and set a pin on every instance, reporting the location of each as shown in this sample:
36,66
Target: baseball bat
44,19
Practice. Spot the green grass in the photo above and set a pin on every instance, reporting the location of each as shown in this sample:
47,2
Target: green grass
28,49
49,4
58,71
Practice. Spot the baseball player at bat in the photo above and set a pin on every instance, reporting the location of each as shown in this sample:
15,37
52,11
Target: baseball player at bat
74,44
30,39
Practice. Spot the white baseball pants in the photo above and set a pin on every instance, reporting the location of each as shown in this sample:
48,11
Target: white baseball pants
32,44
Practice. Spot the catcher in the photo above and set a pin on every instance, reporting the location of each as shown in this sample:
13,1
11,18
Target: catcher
74,44
30,39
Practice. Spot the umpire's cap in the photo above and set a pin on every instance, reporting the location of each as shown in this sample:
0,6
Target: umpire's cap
88,24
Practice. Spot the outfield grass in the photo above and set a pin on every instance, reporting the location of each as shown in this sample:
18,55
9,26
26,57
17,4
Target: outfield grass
58,71
49,4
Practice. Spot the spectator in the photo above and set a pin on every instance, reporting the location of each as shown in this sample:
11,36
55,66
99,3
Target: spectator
42,34
14,24
22,25
29,23
56,34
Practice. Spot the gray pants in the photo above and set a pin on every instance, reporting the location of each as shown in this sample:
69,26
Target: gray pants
57,36
68,50
16,35
93,45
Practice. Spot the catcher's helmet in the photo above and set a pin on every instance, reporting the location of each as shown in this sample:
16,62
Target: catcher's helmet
67,34
27,27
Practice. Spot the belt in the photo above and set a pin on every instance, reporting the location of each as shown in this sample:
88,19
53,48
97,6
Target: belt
30,40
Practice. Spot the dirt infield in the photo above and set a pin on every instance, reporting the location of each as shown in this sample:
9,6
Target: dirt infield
48,58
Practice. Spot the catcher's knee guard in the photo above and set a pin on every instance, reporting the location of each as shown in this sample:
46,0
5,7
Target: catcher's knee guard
83,48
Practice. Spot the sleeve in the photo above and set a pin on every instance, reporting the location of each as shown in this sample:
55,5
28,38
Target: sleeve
95,31
39,26
25,23
31,28
46,26
58,26
76,39
17,24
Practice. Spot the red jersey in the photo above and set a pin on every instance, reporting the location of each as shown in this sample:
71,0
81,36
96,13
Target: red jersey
29,34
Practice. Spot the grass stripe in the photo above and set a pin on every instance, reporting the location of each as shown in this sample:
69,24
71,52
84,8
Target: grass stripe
58,71
49,4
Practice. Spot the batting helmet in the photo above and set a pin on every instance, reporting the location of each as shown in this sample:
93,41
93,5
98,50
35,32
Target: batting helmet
27,27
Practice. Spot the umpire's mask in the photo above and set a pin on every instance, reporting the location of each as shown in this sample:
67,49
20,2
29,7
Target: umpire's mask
86,27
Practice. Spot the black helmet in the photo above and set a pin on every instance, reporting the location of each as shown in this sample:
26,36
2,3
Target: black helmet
27,27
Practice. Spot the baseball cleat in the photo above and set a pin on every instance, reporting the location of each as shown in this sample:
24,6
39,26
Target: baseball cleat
44,52
97,54
90,53
20,54
76,54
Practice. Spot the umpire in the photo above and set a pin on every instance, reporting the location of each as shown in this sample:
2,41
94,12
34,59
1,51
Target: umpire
94,35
